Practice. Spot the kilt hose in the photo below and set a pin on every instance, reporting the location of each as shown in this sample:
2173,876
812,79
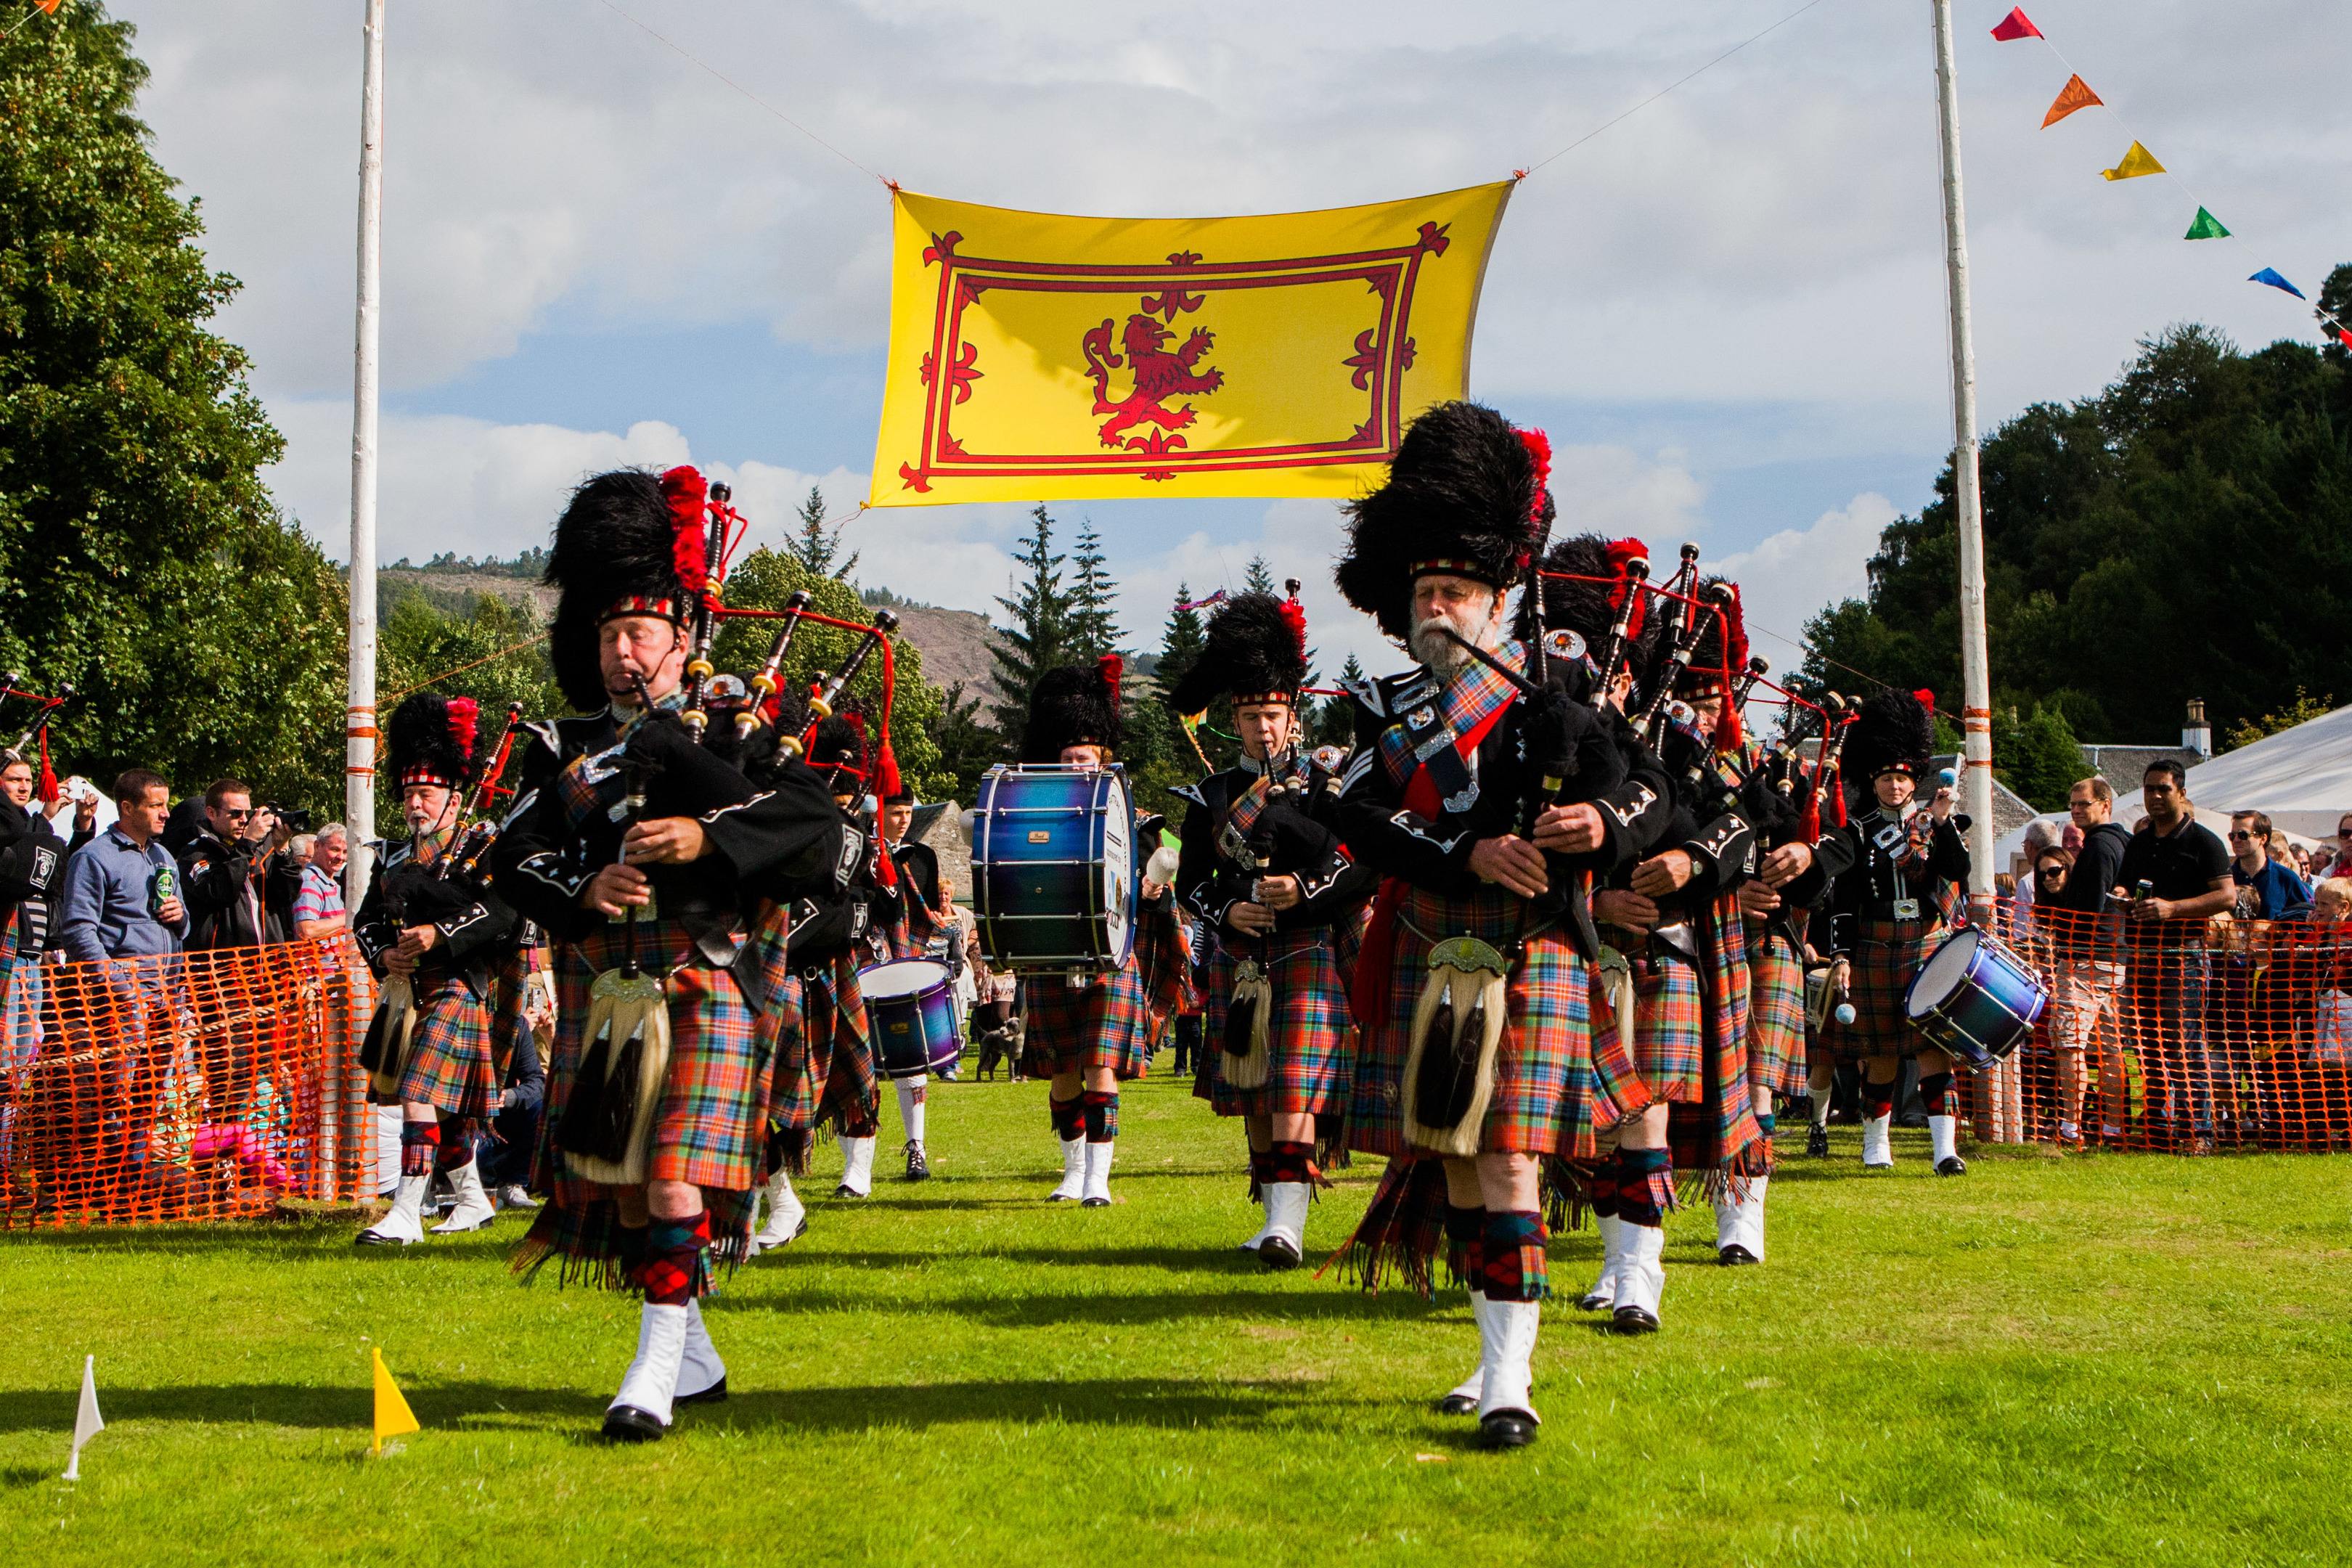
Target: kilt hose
707,1130
448,1066
1543,1066
1887,954
1108,1020
1776,1013
1310,1039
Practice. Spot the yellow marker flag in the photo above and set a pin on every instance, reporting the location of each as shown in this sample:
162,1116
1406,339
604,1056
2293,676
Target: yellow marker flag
2138,162
392,1415
2076,94
1038,357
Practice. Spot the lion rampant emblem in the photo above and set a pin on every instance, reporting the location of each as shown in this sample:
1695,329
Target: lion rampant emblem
1161,373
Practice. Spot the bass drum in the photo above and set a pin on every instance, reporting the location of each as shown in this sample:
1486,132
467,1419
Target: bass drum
1053,867
1975,1000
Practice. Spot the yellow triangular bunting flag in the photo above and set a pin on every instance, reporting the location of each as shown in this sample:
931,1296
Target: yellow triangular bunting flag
392,1415
2076,94
2138,162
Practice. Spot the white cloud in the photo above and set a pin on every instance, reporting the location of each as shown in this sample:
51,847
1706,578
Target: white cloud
1796,574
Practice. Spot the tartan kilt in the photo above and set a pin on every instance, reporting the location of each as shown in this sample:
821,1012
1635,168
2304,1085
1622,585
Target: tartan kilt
708,1129
806,1021
1310,1040
1887,954
1775,1016
1669,1029
1111,1021
448,1066
1543,1066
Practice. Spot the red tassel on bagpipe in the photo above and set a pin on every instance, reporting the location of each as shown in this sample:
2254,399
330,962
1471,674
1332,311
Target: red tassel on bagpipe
47,787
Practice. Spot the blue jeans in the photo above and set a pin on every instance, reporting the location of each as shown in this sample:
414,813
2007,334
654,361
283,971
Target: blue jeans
20,1027
2168,988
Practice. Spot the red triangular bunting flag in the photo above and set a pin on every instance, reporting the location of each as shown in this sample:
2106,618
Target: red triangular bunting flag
2076,94
2015,26
2347,336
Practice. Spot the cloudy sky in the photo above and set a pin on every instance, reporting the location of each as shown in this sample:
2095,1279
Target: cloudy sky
1727,310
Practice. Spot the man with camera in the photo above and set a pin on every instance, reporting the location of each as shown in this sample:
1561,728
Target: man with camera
239,882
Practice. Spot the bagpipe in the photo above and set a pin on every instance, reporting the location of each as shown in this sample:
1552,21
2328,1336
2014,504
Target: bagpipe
45,786
476,834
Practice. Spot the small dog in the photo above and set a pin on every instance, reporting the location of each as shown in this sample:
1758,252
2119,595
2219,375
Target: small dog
1001,1048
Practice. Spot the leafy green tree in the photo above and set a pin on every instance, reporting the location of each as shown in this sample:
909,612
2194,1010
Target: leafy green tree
2302,710
763,580
2044,761
1040,635
817,547
493,654
142,561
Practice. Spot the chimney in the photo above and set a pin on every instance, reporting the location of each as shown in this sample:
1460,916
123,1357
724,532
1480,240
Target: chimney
2195,737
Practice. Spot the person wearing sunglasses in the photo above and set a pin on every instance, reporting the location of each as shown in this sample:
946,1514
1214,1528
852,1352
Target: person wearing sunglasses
239,882
2276,885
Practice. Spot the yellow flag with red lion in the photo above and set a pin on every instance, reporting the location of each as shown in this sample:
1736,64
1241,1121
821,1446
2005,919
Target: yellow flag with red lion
1039,357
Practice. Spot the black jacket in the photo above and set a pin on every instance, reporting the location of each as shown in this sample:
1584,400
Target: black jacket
32,874
476,927
1291,837
222,883
1877,878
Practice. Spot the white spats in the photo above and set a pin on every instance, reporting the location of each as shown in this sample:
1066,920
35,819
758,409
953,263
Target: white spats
913,1103
1097,1193
1740,1226
1943,1136
404,1225
1265,1212
1603,1294
856,1168
1506,1336
701,1375
1877,1144
472,1209
1074,1173
642,1409
1286,1224
787,1216
1641,1279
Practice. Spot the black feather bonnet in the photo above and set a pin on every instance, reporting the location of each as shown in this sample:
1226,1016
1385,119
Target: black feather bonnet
628,544
1895,732
1073,705
1255,647
430,741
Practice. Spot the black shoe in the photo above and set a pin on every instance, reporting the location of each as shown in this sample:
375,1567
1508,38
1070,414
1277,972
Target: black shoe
846,1191
1457,1405
1733,1256
1094,1202
1817,1141
1632,1321
1594,1301
1277,1254
627,1423
1951,1166
711,1395
919,1169
1506,1429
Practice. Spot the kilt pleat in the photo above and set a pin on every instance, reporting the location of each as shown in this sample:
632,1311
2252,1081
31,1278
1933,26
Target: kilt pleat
1111,1020
448,1066
1775,1016
1311,1043
1887,954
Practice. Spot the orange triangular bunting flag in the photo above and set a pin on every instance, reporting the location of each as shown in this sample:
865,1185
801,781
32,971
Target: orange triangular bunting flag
2076,94
391,1412
2137,163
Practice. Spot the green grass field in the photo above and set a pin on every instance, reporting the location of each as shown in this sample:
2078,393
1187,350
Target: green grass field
2098,1359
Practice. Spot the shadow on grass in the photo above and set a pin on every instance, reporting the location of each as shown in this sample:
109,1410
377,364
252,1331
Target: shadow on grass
475,1406
1039,1311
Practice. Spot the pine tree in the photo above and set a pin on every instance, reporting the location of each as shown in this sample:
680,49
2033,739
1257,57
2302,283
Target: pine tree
141,559
1260,577
1094,628
1180,643
1039,637
1335,719
817,548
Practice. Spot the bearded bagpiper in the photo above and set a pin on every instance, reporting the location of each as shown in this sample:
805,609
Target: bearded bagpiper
1901,896
435,936
1087,1031
1486,792
1283,905
638,850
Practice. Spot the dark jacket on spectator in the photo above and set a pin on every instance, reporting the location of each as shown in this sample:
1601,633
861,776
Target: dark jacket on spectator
239,893
32,876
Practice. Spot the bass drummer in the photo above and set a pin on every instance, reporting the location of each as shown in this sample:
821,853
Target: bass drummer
1280,904
1889,910
1089,1032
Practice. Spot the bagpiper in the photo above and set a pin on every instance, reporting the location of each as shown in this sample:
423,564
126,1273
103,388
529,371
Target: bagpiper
434,935
1264,874
1485,791
629,844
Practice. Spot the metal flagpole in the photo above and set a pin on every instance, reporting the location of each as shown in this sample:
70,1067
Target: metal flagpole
358,712
1976,677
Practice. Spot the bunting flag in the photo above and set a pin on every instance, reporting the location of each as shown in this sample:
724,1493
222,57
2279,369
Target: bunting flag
2207,227
1036,357
2015,26
2346,334
2076,94
392,1415
2269,276
2140,161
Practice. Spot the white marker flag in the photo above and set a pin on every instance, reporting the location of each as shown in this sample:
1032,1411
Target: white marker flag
87,1422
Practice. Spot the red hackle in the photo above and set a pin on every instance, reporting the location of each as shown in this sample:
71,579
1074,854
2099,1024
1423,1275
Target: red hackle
689,500
1624,552
465,715
1112,667
1730,733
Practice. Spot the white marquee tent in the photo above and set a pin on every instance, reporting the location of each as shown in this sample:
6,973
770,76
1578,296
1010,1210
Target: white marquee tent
2300,778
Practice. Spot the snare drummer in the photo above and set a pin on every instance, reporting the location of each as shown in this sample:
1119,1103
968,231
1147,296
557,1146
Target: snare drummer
1889,912
1265,875
1089,1032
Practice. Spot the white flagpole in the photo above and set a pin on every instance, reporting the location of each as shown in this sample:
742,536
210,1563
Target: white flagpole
1975,675
359,726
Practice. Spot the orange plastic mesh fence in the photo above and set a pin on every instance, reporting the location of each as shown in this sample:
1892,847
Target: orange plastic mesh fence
201,1086
2176,1035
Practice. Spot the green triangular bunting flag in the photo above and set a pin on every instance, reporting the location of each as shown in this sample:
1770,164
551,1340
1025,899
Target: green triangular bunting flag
2207,227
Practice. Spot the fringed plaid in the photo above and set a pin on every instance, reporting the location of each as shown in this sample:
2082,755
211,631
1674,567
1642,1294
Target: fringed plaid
448,1065
1543,1069
1402,1229
1776,1015
1111,1021
708,1130
1310,1040
510,989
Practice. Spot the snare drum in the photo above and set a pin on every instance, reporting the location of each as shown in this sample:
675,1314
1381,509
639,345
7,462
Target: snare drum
1974,999
911,1002
1053,867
